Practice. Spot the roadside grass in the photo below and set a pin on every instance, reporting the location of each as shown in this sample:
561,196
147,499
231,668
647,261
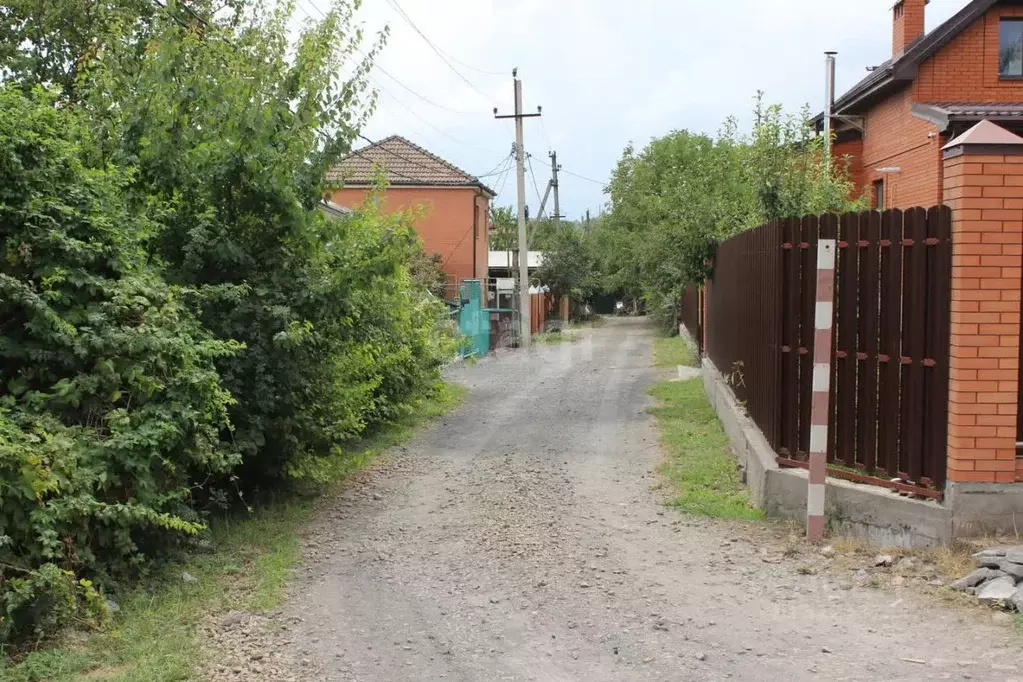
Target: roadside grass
554,337
698,467
593,323
155,636
672,352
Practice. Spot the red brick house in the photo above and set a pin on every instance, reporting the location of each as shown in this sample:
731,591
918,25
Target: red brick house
935,86
456,204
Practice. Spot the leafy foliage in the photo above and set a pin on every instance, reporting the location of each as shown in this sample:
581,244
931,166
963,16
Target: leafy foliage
505,235
110,406
569,268
672,202
179,317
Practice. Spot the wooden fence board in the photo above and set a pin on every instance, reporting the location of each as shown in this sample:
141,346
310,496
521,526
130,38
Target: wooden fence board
847,291
867,365
889,392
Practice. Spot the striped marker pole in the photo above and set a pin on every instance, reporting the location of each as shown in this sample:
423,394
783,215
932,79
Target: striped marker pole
821,390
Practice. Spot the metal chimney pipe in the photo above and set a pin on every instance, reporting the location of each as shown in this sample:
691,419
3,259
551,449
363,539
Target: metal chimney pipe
829,103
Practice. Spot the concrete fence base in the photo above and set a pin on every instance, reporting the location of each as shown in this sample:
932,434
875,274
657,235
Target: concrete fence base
859,510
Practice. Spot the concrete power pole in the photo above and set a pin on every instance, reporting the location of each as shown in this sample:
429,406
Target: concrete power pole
554,185
524,312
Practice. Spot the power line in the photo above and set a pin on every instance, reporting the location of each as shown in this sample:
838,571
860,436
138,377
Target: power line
431,125
436,48
428,101
497,170
503,180
315,7
394,4
561,169
536,188
546,137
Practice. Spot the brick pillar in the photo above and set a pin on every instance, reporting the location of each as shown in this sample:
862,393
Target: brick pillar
983,185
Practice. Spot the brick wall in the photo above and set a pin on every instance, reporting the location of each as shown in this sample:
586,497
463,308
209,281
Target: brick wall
966,70
851,152
908,23
446,225
894,138
985,193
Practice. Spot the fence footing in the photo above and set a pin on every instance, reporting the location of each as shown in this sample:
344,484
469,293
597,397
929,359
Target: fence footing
851,509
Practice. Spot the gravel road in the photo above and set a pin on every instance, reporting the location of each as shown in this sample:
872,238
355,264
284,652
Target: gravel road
523,538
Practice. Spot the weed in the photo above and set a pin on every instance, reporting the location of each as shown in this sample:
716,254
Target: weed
594,323
956,560
697,466
793,547
554,337
737,377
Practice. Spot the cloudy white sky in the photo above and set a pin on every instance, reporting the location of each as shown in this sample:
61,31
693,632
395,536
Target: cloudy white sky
606,72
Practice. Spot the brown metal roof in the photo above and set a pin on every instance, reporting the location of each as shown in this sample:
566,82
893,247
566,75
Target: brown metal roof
984,110
944,114
402,163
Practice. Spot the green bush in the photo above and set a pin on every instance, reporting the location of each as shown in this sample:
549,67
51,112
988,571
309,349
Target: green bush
110,406
180,324
227,129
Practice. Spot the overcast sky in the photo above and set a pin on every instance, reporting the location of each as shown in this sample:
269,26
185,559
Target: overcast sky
606,72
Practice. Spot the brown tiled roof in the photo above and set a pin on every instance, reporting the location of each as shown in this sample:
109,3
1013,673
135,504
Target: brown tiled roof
403,163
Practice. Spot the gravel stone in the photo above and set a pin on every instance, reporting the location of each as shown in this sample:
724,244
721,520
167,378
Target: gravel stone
544,471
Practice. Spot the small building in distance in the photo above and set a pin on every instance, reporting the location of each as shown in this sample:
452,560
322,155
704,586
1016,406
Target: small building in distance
456,204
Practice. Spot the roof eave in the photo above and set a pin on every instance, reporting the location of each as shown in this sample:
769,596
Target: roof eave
856,102
903,68
361,184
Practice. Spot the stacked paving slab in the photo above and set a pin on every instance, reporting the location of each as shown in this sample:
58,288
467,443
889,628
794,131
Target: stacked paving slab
998,578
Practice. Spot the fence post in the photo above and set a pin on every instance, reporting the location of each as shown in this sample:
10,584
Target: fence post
821,389
983,185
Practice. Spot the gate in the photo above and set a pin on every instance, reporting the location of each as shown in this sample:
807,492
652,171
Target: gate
473,319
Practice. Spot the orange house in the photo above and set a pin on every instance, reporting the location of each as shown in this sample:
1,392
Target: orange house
455,204
935,86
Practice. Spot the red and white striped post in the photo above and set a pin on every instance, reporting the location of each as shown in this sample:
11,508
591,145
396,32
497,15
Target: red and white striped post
821,390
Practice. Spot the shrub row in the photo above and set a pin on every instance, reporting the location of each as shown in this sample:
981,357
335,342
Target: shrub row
180,325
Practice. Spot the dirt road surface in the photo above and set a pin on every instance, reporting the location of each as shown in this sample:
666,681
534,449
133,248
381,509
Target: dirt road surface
522,539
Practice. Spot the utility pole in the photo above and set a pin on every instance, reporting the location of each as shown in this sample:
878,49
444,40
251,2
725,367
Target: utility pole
554,184
829,104
524,312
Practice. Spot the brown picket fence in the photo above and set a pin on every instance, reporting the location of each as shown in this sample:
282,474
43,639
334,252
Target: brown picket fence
691,311
889,388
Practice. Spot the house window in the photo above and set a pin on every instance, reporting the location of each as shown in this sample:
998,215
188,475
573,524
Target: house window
879,195
1010,48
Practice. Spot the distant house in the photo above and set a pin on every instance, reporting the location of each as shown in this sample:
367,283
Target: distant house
456,203
935,86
